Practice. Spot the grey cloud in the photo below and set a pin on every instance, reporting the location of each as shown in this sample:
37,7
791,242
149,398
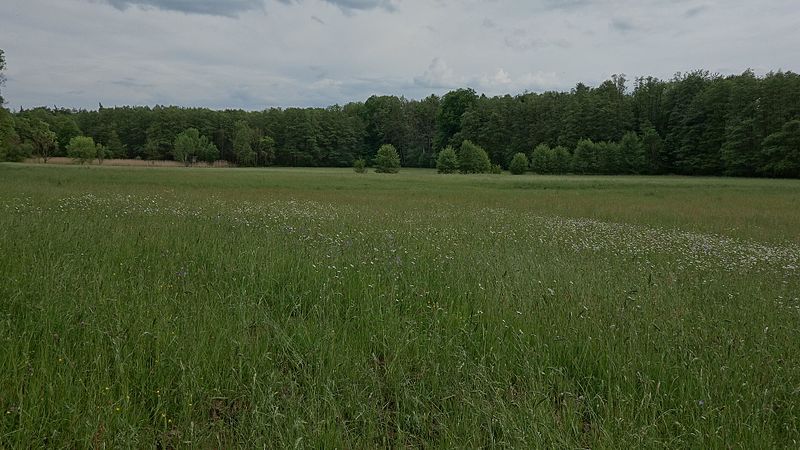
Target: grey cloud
622,25
131,83
692,12
276,54
520,40
438,75
228,8
318,20
566,4
363,4
353,5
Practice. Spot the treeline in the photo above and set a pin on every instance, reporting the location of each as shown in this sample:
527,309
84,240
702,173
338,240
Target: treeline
694,124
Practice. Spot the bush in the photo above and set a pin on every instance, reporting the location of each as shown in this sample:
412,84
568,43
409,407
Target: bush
82,149
496,169
360,166
447,161
387,160
473,159
519,164
543,159
585,158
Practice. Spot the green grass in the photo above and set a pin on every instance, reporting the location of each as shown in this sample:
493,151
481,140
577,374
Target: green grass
149,307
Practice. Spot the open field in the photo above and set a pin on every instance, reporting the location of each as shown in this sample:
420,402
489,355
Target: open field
173,307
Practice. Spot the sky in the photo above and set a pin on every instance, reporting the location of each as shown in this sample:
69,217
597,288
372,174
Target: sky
257,54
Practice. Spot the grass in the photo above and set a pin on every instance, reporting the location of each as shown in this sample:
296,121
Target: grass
171,307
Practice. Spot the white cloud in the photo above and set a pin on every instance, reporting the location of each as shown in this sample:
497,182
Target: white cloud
259,53
438,75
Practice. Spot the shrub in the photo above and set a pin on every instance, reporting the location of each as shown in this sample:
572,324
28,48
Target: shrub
585,159
519,164
387,160
496,169
82,149
473,159
447,161
360,166
543,159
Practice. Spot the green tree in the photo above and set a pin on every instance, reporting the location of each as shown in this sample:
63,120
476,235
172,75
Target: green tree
9,139
610,159
451,109
447,161
2,75
116,148
65,127
781,151
542,159
44,140
473,159
387,160
360,166
265,151
585,157
562,160
519,164
633,154
243,138
653,150
190,146
82,149
101,153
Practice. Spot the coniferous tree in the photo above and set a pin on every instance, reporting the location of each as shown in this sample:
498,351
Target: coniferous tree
387,160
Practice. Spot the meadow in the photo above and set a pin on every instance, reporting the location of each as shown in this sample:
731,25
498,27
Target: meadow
320,308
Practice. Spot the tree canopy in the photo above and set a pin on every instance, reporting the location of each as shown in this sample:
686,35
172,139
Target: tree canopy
696,123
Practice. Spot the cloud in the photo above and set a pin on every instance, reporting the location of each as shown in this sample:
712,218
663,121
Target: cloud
622,25
349,6
501,82
697,10
438,75
520,40
255,54
499,78
363,4
227,8
132,83
565,4
234,8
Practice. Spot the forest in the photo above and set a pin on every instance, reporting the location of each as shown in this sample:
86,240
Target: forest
696,123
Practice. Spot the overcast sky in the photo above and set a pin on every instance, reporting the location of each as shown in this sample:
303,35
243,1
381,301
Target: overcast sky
255,54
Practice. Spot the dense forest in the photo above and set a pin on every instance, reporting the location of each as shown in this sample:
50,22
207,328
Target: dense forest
697,123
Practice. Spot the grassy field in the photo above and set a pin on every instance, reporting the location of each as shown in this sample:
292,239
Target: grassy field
216,308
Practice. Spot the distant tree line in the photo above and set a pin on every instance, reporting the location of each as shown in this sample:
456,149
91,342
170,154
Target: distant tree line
694,124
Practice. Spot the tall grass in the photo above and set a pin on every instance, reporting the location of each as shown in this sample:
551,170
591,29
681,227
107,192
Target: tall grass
322,308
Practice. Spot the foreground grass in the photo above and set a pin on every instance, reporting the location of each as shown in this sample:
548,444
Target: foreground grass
176,307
